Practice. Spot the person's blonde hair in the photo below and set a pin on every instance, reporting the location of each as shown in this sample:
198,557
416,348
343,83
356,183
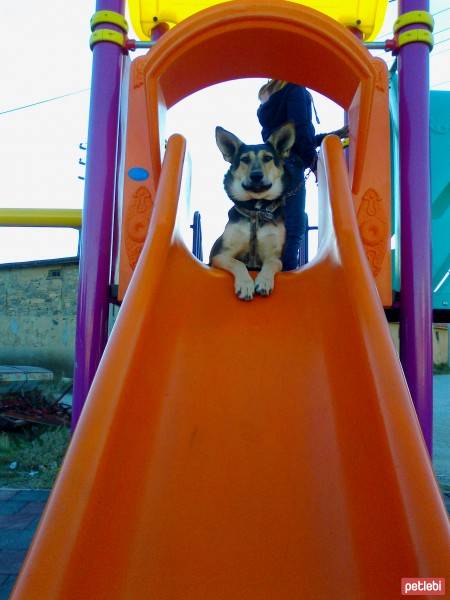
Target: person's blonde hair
272,86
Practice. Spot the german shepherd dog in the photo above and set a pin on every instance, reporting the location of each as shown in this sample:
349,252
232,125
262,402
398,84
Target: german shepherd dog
258,184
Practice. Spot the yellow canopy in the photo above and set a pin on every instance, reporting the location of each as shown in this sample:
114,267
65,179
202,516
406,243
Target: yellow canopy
365,15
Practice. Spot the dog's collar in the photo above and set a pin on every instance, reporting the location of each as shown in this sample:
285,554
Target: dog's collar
263,213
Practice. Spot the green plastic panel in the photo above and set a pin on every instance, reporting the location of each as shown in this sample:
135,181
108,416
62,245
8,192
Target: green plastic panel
440,192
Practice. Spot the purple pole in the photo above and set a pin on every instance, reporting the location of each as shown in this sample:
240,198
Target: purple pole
93,290
416,305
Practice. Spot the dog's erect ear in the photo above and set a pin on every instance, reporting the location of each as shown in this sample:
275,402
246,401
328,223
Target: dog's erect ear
228,143
283,138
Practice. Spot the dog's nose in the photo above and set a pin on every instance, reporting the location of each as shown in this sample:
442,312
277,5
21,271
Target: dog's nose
256,176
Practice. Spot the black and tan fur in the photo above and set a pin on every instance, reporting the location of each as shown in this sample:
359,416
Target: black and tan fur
256,182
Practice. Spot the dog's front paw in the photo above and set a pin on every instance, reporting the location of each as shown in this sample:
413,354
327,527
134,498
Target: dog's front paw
244,288
264,284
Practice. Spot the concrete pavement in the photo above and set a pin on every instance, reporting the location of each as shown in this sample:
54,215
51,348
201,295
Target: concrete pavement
20,512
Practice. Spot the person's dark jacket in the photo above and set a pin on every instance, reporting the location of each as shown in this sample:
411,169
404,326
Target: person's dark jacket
292,103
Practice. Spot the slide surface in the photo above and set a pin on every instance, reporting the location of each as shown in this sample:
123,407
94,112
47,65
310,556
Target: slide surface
230,450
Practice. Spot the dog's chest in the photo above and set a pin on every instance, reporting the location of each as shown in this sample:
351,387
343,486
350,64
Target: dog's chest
246,239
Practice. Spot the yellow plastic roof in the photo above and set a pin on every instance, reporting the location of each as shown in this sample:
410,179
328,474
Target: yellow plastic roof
365,15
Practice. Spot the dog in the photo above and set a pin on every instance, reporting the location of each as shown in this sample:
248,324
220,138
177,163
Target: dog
259,184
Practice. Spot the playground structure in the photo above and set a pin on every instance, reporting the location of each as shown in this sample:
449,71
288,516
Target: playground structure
440,195
194,473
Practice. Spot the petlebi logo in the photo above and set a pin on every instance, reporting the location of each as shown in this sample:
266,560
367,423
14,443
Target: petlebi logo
423,586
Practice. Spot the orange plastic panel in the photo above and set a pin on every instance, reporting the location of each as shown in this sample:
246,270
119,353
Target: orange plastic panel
373,197
138,193
232,450
190,57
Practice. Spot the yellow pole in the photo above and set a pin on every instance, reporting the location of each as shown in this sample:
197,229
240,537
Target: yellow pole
40,217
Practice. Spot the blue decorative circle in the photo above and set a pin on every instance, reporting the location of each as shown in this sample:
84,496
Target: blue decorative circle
138,173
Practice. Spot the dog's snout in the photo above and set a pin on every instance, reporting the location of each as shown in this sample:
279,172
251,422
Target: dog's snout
256,176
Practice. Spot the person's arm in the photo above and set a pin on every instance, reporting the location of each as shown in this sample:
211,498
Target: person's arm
318,138
341,133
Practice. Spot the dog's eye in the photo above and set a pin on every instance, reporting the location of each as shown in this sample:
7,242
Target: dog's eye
267,158
245,159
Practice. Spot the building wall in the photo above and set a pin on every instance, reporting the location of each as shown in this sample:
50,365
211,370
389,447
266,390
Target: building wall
38,313
440,342
440,345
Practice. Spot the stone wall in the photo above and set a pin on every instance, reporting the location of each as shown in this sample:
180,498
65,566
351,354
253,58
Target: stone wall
440,345
38,313
440,342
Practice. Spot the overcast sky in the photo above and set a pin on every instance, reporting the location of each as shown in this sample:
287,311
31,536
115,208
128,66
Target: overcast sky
39,145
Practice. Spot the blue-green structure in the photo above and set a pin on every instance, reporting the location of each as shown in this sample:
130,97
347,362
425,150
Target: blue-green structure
440,193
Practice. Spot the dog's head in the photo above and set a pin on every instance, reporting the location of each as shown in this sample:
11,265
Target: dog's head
257,171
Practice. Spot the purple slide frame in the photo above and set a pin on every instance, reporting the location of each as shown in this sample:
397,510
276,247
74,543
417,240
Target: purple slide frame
416,350
96,237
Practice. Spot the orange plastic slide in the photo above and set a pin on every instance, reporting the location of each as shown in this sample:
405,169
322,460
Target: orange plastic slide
266,450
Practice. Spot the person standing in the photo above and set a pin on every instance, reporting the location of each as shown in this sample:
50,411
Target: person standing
281,102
